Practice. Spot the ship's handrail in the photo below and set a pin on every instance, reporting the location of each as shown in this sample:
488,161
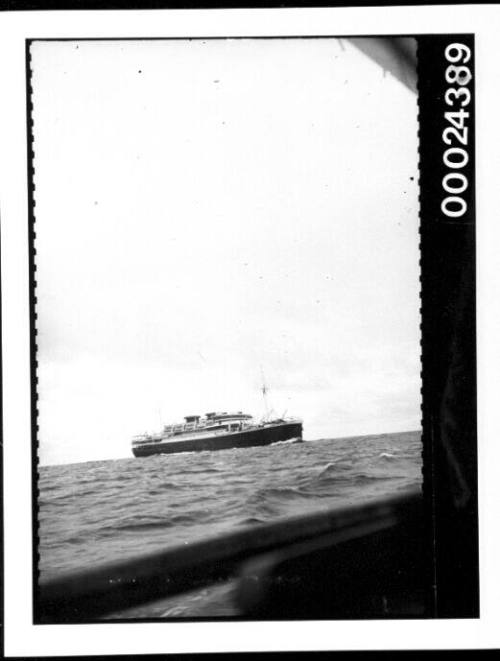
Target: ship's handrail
91,594
209,424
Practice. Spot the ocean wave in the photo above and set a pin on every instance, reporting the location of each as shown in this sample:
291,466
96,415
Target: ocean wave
290,441
279,493
135,524
124,477
341,465
166,486
363,478
75,540
326,478
135,527
251,520
96,513
270,502
195,471
48,488
66,496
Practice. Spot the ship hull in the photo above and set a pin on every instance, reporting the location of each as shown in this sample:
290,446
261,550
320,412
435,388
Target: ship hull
243,439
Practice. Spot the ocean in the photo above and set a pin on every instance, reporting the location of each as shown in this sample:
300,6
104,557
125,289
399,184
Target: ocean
100,511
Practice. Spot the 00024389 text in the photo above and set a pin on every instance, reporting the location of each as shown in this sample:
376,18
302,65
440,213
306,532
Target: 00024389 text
455,183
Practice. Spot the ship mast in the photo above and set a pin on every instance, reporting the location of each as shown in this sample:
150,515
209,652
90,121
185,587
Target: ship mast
264,395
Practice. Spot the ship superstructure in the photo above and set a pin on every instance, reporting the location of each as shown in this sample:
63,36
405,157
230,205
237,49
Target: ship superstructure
216,431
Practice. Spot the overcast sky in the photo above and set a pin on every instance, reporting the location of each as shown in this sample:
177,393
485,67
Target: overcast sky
208,208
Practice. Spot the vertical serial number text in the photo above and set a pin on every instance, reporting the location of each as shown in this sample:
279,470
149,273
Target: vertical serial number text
456,134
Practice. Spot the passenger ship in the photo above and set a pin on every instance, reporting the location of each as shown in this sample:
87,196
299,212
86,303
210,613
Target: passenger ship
216,431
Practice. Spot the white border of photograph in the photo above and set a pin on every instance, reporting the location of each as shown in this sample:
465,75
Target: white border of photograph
22,638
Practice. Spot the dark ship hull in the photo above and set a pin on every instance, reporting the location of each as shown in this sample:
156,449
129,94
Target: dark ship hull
260,435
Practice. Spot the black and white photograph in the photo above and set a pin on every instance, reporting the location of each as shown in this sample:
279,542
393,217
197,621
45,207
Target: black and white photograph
250,356
228,321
